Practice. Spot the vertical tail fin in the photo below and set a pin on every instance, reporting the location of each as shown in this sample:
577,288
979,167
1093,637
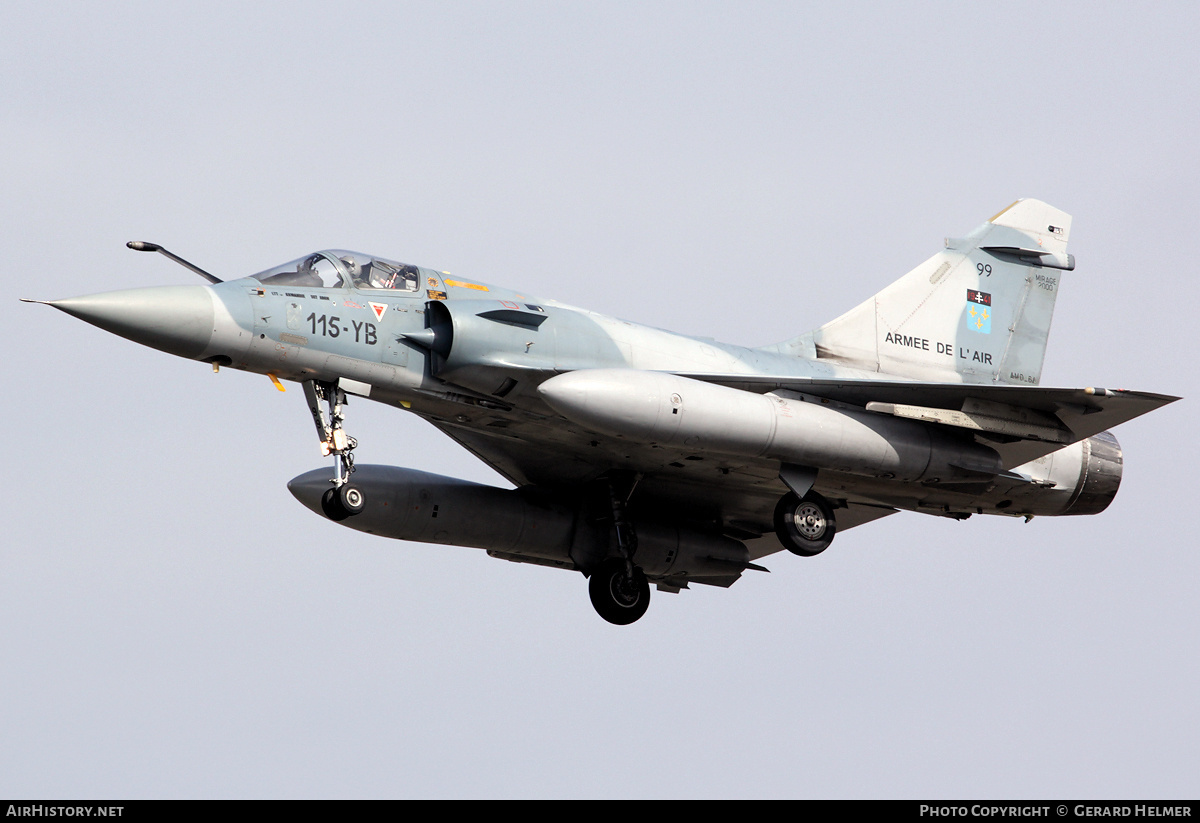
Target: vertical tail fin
977,312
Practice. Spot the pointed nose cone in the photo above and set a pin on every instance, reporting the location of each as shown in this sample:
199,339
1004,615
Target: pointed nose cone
308,488
174,319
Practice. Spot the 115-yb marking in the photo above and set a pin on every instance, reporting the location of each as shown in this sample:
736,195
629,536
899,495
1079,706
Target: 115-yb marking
330,327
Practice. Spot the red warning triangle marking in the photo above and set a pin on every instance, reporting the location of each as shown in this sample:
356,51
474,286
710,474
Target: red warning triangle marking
378,308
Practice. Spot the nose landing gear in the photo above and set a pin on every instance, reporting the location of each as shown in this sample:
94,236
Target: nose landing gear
342,502
344,499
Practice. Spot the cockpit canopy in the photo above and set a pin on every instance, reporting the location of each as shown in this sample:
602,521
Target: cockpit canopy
338,268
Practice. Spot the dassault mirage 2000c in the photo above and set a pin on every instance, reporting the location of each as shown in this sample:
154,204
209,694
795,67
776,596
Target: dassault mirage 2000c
640,456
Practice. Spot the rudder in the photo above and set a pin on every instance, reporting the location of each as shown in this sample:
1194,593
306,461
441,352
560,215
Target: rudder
978,311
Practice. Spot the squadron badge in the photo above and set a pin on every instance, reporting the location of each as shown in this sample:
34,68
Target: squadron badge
979,311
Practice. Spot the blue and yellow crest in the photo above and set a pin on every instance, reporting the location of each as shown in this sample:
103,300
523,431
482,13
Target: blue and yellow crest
979,311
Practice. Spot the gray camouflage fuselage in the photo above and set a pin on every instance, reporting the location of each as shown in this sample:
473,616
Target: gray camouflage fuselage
923,398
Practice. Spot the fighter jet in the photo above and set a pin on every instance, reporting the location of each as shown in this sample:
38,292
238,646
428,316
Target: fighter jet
640,456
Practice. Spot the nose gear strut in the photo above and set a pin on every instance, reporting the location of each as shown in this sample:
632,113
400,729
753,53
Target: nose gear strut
344,499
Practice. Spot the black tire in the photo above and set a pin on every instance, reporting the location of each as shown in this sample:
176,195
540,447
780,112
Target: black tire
805,526
352,499
331,504
617,597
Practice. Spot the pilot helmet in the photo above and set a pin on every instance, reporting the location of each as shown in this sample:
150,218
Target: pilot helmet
353,267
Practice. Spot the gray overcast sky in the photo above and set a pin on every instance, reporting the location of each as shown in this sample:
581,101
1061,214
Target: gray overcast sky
173,623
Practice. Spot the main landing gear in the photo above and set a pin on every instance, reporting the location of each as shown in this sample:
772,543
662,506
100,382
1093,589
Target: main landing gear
619,590
804,525
344,499
804,521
